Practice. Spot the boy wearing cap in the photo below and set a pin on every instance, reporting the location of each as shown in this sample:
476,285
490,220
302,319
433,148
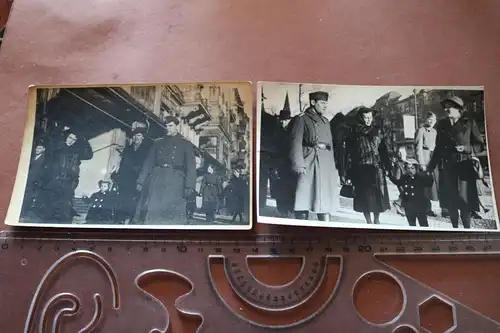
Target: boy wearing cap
413,186
312,158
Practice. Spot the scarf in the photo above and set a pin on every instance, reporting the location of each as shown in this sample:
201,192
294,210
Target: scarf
369,131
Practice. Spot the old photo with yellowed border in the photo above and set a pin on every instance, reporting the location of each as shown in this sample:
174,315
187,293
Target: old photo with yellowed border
145,156
374,157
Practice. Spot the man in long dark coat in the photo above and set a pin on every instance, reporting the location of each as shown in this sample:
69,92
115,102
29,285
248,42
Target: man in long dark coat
313,161
36,172
167,178
235,193
132,160
211,192
458,139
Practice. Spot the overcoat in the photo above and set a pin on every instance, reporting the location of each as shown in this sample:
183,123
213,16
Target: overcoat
458,179
101,208
37,170
312,149
169,169
235,193
132,160
369,161
211,191
425,144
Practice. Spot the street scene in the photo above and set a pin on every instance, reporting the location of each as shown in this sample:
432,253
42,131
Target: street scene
393,156
160,155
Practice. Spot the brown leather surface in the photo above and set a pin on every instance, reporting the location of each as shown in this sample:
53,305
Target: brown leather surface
389,42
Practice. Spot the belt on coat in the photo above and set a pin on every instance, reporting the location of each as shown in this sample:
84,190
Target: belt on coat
170,166
320,145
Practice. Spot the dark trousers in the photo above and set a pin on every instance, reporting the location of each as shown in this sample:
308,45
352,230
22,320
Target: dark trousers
464,216
416,212
210,215
461,191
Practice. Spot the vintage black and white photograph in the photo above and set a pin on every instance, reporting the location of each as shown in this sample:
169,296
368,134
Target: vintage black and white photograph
376,157
171,156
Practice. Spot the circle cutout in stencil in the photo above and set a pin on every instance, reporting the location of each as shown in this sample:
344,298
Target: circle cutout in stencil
405,329
378,298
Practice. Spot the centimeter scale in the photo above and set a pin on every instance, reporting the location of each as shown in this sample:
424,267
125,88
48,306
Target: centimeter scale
73,283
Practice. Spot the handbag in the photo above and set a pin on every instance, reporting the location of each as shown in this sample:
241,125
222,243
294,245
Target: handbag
347,191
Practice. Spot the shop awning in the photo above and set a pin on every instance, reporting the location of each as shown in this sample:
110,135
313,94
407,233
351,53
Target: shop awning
96,111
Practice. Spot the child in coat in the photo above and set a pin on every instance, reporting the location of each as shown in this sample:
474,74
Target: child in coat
102,205
413,184
398,170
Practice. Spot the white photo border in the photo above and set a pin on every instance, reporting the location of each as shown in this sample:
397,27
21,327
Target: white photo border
262,219
15,205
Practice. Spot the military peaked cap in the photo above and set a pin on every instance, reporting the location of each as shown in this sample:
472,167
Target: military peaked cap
318,96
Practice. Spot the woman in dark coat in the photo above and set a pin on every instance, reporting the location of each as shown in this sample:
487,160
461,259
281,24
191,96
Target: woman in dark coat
132,159
211,191
368,157
63,174
235,193
458,139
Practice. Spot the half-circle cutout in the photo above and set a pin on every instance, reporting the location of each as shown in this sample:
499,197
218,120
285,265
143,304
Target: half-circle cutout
279,319
275,271
167,287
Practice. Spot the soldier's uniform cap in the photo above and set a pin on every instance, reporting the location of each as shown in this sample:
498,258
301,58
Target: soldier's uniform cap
318,96
454,100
